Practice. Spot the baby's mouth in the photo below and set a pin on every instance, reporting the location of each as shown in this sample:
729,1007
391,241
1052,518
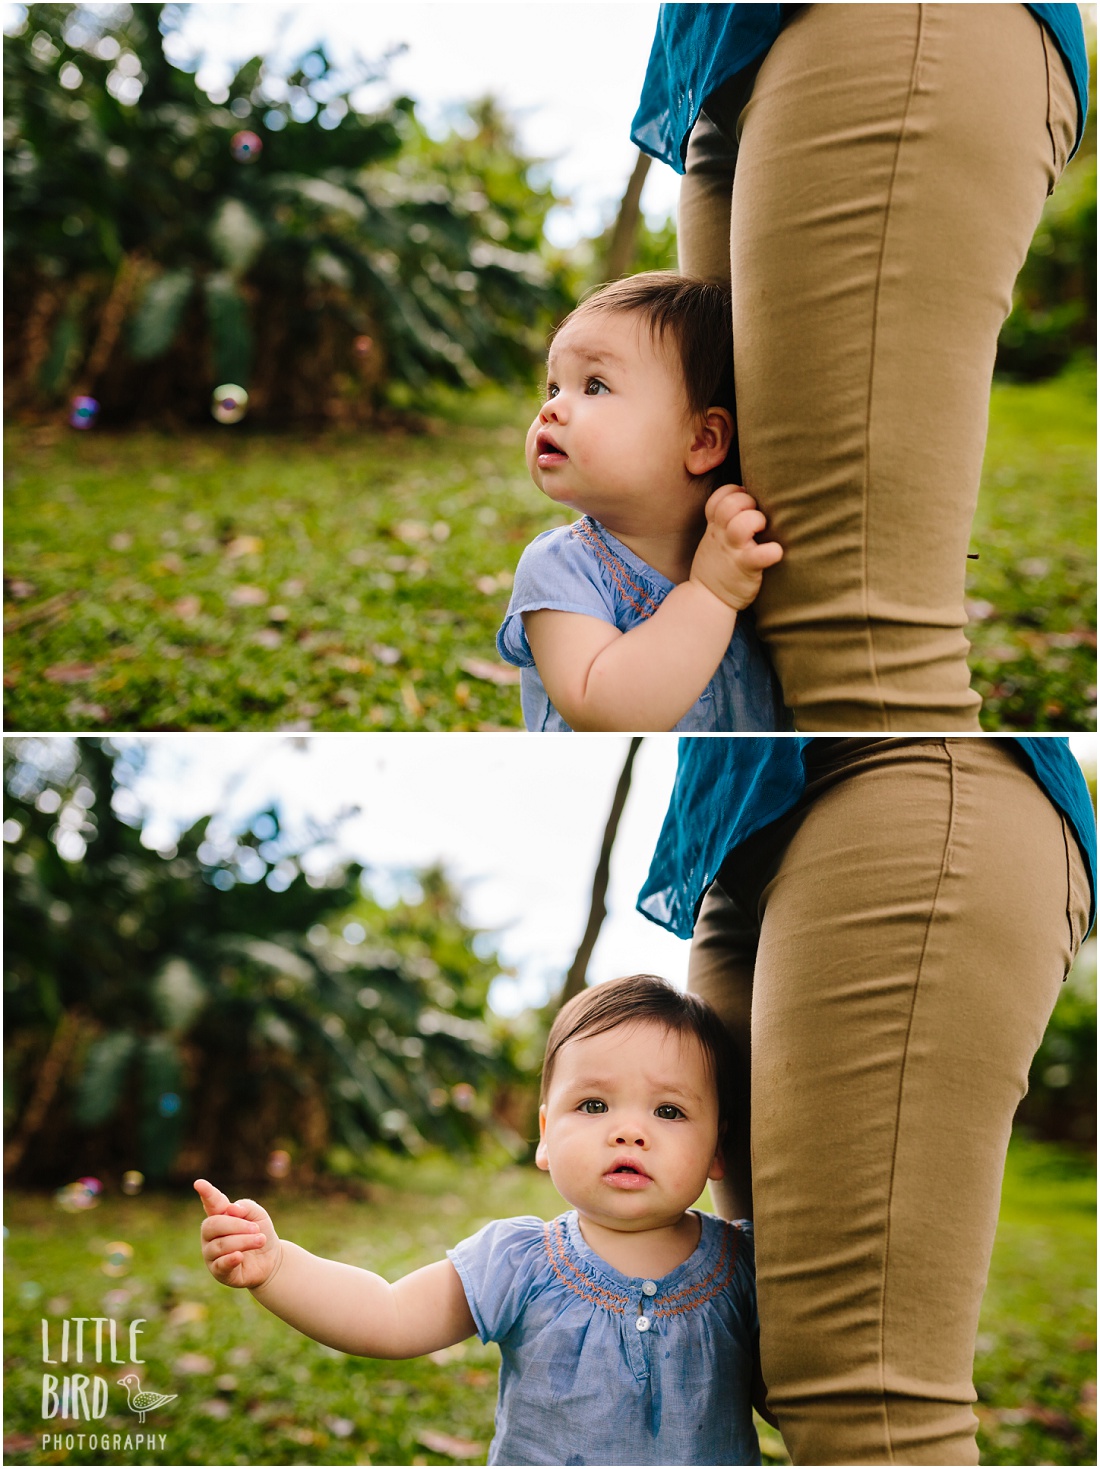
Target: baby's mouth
625,1173
548,453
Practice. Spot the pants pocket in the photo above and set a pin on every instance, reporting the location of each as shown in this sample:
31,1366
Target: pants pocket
1061,108
1078,899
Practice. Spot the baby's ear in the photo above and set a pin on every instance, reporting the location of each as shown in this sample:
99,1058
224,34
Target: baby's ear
542,1157
712,437
717,1168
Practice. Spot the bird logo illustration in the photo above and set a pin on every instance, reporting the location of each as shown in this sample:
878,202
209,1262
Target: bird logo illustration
143,1402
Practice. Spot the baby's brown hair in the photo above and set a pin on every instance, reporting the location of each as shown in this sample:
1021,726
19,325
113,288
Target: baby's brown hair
637,998
696,314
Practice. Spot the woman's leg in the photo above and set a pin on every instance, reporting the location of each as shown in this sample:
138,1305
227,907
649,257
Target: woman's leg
912,942
893,163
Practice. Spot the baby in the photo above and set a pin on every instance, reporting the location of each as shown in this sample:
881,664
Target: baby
627,1326
629,618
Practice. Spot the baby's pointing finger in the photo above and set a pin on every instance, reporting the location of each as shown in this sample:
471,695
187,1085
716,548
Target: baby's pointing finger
213,1200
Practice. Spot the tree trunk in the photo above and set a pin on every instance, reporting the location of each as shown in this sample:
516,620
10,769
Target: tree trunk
620,252
574,980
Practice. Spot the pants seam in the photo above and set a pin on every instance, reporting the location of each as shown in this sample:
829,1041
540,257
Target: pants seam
866,488
943,872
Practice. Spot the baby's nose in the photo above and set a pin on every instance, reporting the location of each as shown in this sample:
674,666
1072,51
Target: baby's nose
629,1136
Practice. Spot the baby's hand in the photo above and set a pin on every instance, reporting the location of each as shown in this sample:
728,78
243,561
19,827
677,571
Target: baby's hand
728,561
239,1243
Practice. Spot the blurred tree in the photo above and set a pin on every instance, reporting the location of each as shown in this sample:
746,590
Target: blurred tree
159,243
196,1010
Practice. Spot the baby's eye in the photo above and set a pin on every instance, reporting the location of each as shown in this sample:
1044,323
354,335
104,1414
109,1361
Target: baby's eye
593,1106
668,1113
551,390
594,387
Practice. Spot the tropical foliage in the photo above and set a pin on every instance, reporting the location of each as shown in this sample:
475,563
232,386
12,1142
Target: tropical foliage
206,1008
159,243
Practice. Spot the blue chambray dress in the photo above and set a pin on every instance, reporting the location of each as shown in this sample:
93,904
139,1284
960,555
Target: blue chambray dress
583,568
579,1382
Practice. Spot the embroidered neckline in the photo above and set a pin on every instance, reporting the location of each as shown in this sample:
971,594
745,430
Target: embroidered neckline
642,601
582,1283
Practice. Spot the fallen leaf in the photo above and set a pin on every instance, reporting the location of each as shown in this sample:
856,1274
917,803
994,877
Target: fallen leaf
411,531
193,1363
244,546
70,673
187,1312
81,713
483,668
247,596
446,1443
51,607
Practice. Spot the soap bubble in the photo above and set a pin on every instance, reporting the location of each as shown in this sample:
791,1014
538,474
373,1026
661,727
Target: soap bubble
246,147
75,1197
229,403
132,1181
168,1104
83,412
278,1164
118,1257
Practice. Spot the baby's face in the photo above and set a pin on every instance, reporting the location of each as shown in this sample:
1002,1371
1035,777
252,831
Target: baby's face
629,1130
613,435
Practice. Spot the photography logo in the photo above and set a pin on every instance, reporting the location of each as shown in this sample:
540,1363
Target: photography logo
83,1397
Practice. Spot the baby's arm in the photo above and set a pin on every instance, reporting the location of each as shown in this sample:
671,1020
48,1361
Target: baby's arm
340,1305
648,678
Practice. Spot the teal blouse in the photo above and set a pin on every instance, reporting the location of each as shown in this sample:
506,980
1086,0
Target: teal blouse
697,48
727,789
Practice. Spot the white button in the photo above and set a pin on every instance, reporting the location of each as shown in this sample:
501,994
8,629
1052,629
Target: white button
642,1323
649,1288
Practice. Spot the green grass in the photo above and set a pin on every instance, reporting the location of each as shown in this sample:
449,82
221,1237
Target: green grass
226,580
250,1390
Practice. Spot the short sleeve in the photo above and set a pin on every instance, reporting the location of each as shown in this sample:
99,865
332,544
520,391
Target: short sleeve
555,573
499,1267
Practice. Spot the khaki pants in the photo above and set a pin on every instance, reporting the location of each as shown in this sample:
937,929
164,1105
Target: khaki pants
892,164
894,947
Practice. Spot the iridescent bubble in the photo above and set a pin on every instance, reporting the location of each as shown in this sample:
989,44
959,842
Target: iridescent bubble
132,1181
168,1104
83,412
463,1096
29,1292
229,403
118,1257
278,1164
246,147
75,1197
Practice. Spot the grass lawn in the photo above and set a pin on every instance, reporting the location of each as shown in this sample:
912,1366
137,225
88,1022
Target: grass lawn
250,1390
225,580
